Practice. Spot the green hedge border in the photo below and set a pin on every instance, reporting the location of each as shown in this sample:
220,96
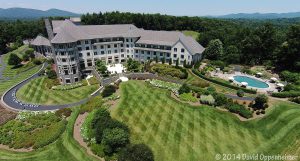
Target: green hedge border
286,94
251,91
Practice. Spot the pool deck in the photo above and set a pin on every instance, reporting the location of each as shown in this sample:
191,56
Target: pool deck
225,76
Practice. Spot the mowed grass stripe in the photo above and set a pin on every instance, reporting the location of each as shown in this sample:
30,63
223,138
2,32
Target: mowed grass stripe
36,92
177,131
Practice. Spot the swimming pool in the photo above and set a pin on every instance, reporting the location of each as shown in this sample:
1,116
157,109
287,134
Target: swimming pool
251,81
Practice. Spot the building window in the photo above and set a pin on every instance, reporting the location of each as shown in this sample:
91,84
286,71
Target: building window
63,60
175,55
168,54
182,50
130,40
136,51
122,45
116,45
122,55
182,56
154,53
102,52
88,54
175,49
101,46
109,52
78,43
86,42
80,54
94,47
148,52
95,53
142,51
76,79
108,46
87,48
68,81
127,40
116,51
127,45
161,54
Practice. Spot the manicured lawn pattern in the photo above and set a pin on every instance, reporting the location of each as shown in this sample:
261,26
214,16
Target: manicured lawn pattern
177,131
9,71
36,92
6,84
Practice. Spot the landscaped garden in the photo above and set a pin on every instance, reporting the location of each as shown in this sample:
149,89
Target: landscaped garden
39,91
31,130
177,131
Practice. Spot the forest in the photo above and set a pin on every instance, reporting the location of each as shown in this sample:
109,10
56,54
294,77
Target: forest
252,42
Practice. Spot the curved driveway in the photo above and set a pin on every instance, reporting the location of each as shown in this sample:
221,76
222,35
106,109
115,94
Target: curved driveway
10,100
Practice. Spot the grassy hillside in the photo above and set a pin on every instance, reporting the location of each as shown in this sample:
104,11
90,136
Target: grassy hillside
36,92
177,131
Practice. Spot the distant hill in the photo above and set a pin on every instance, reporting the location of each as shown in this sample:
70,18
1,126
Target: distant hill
16,13
261,15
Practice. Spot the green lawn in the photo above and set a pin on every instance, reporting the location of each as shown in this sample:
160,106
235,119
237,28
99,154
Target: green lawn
36,92
194,34
9,71
65,148
177,131
6,84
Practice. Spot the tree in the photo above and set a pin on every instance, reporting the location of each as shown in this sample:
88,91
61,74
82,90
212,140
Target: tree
214,51
114,139
137,152
170,61
156,59
184,63
260,101
240,93
220,99
101,66
133,65
51,74
14,60
30,53
232,55
108,90
177,62
163,60
184,89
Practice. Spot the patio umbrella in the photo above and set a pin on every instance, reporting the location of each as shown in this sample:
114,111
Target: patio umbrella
124,79
274,79
244,83
259,73
231,78
280,85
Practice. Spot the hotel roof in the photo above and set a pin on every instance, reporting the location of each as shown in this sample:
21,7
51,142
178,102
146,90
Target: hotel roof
66,32
41,41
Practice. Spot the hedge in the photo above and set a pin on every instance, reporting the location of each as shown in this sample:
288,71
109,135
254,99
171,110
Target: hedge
224,84
286,94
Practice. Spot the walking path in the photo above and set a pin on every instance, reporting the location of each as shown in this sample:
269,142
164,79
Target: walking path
9,99
77,135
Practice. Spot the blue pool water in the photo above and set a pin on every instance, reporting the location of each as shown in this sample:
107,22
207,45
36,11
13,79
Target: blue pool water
251,81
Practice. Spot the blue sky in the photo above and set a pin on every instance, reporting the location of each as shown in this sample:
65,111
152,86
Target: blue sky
173,7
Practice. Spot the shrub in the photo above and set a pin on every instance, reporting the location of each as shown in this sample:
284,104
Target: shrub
289,76
211,89
97,149
14,60
209,100
51,74
286,94
66,112
114,139
168,70
240,93
200,83
37,62
108,90
296,99
239,109
220,99
260,101
187,97
137,152
184,89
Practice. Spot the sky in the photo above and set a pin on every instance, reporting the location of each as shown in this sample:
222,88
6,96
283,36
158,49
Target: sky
171,7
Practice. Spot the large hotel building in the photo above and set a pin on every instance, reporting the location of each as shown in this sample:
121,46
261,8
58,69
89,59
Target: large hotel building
75,48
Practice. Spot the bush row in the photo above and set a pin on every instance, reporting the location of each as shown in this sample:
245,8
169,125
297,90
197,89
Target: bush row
239,109
286,94
224,84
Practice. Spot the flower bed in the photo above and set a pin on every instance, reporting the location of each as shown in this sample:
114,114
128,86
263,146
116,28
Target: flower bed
166,85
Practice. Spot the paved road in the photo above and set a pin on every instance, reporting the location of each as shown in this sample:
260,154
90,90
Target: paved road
10,99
